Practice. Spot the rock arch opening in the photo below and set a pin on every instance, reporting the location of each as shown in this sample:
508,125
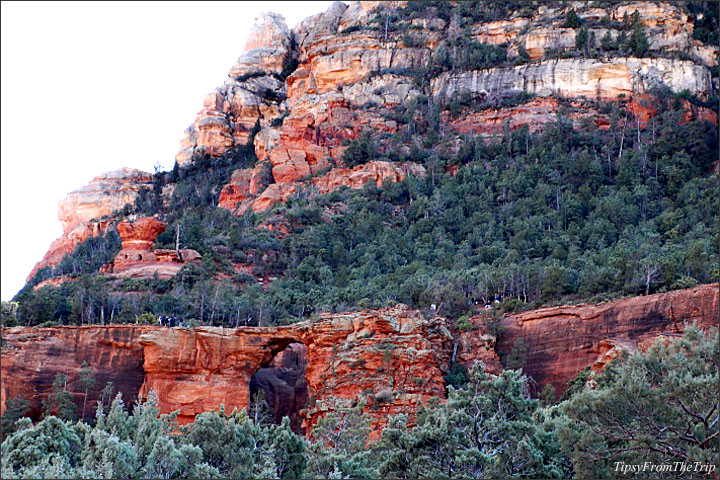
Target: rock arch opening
284,385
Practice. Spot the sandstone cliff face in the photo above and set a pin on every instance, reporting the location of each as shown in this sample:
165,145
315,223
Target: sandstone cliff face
237,196
343,85
596,79
252,93
390,359
101,197
138,257
195,370
561,341
67,243
668,28
31,357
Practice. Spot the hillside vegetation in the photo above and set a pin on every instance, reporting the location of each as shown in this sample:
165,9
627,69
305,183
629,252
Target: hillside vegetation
597,204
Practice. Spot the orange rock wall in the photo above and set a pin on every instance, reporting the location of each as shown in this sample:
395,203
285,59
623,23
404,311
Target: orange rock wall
563,340
31,357
390,359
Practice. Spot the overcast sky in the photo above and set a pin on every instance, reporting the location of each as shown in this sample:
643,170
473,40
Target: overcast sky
92,87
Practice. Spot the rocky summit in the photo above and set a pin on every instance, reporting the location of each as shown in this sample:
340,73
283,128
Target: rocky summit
467,239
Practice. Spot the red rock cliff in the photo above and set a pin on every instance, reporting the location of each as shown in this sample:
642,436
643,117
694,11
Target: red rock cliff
31,357
389,359
80,212
561,341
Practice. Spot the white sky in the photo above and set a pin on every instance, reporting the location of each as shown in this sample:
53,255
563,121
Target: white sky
92,87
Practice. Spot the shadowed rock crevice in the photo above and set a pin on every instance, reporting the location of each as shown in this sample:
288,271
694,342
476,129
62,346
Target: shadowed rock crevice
284,384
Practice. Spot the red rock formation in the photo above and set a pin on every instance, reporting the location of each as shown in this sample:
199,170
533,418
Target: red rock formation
139,259
237,195
390,359
80,212
535,114
31,357
237,190
563,340
478,344
140,235
642,107
230,112
196,370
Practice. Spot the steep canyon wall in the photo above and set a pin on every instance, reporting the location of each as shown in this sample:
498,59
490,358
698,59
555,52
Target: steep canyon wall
391,359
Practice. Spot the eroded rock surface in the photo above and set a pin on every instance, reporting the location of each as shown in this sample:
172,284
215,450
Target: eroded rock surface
390,359
138,257
81,212
561,341
32,357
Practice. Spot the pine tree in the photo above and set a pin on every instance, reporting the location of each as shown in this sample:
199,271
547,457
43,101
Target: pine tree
571,19
581,39
659,406
60,402
638,43
86,381
15,409
339,446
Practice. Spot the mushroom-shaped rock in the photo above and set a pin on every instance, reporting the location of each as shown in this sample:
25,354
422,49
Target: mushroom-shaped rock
140,234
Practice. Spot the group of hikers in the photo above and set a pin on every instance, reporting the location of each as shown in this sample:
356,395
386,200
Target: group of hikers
170,321
498,299
488,304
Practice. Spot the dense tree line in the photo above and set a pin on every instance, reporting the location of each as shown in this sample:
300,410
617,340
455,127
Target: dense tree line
659,407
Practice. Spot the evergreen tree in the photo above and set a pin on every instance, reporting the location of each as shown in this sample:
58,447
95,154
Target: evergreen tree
60,402
581,39
660,406
15,409
606,42
50,445
487,430
571,19
359,151
638,43
338,450
86,381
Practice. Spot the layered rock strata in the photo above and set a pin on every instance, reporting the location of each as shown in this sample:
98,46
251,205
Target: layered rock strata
138,257
591,78
388,360
560,341
252,93
81,212
237,195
